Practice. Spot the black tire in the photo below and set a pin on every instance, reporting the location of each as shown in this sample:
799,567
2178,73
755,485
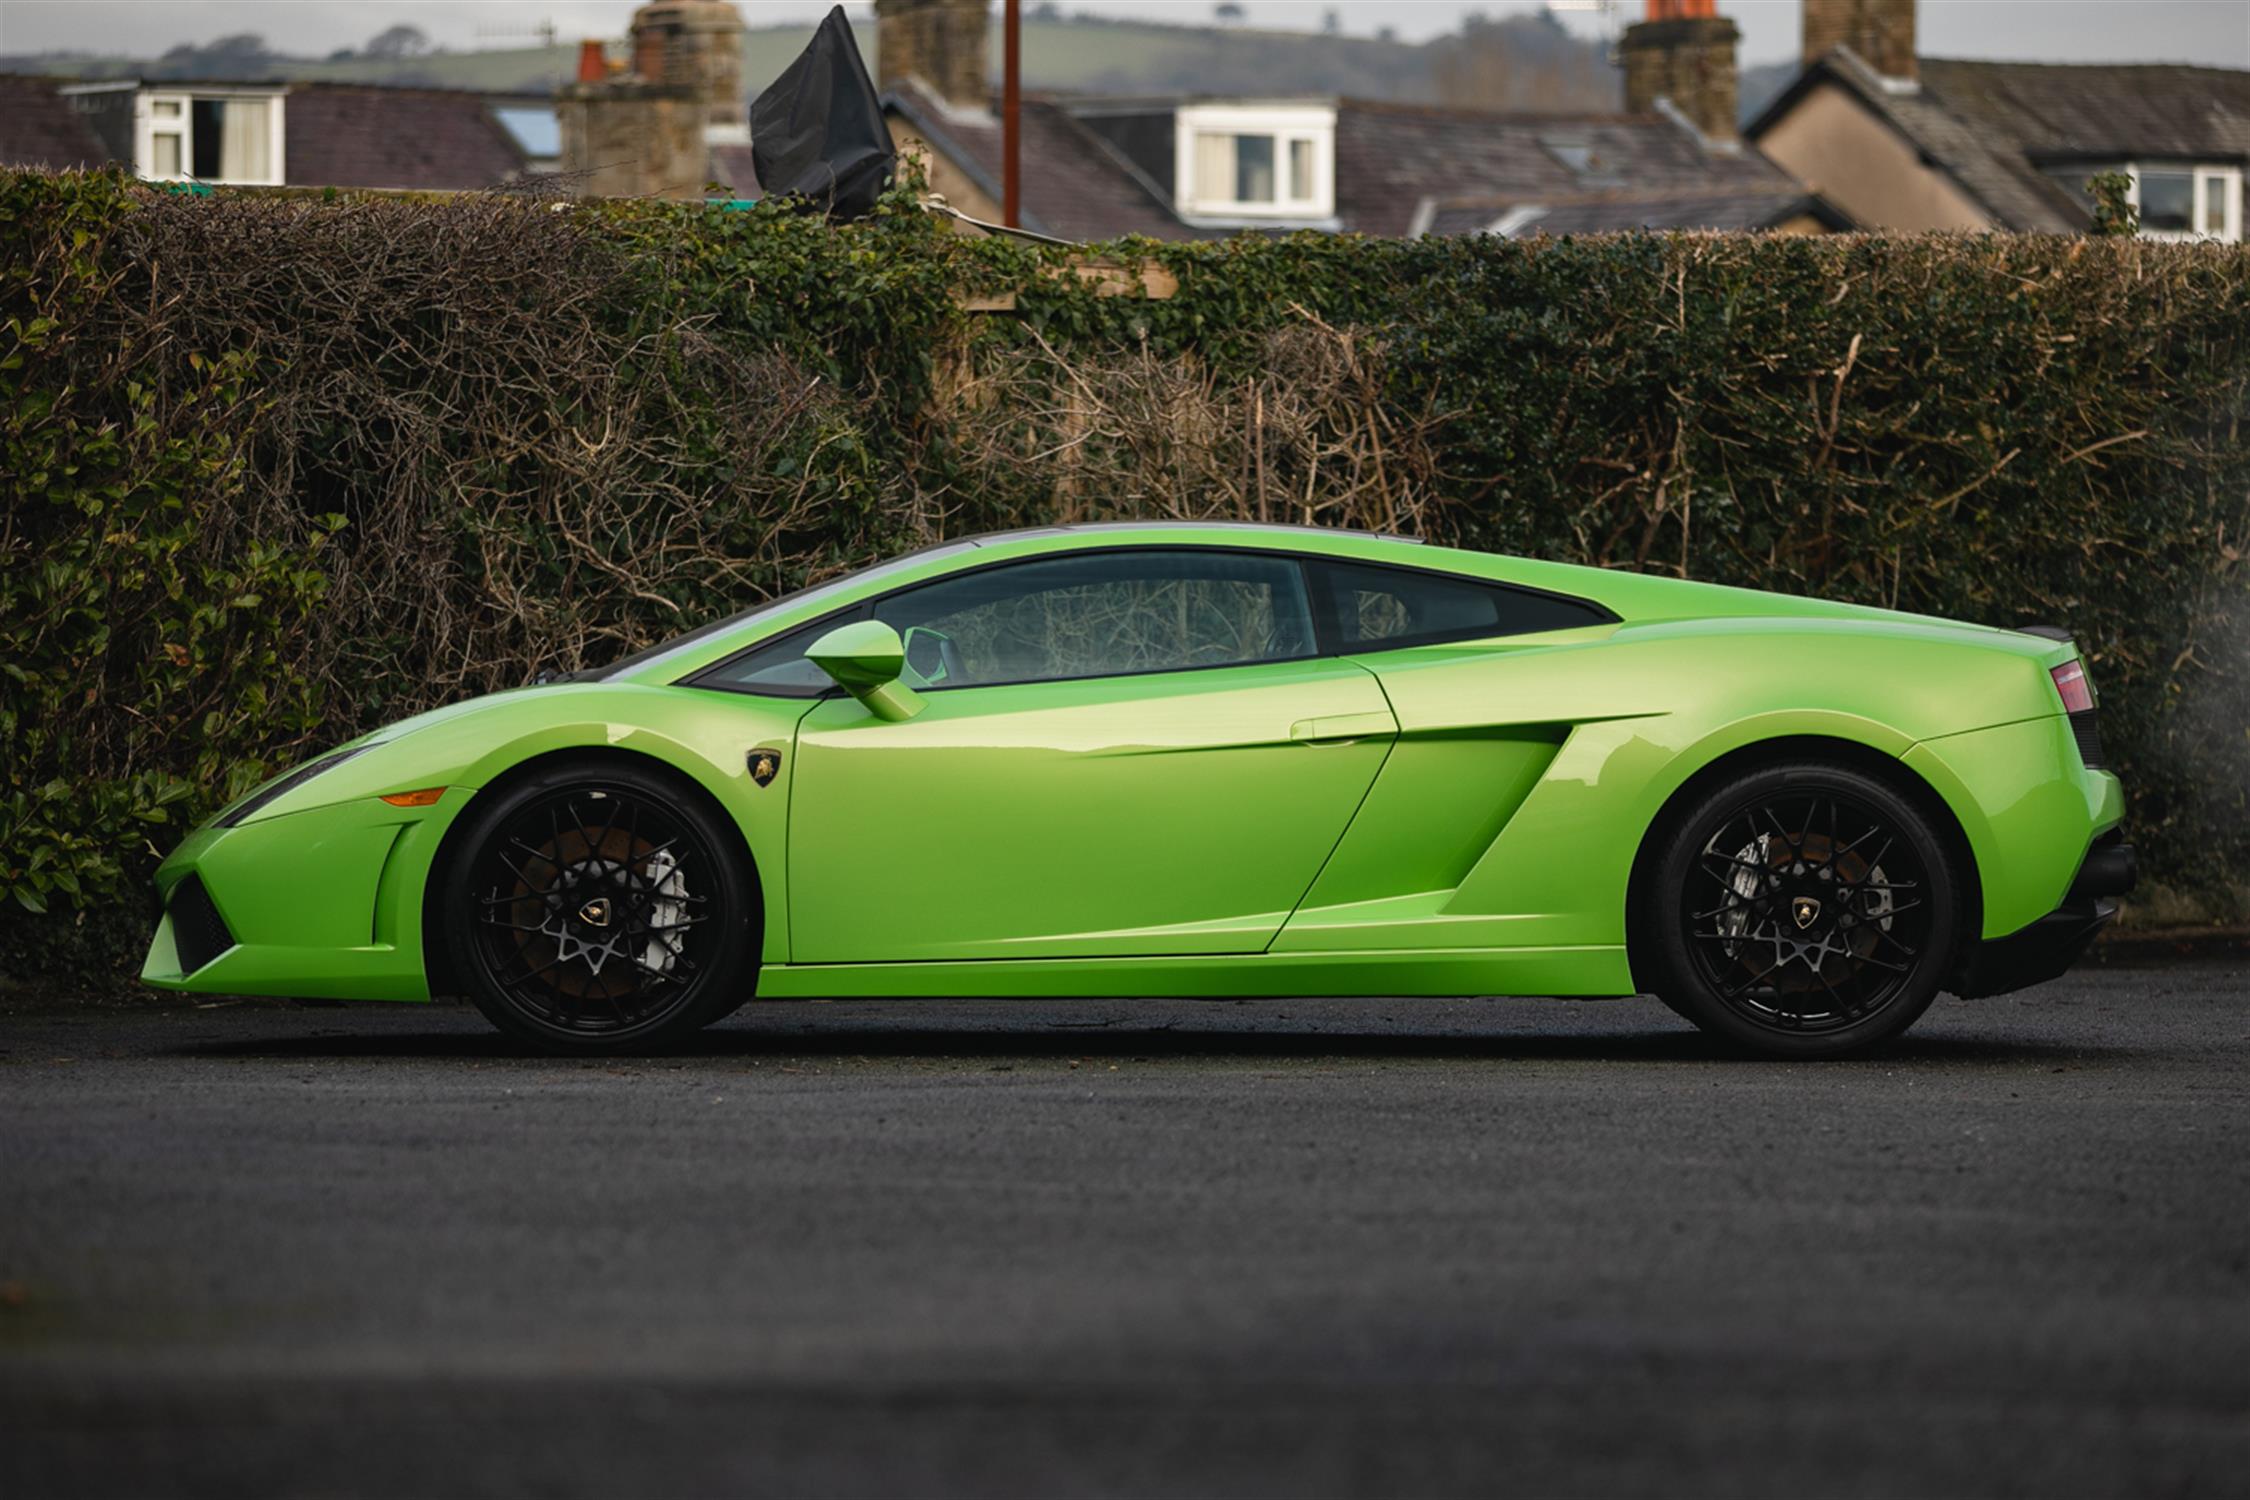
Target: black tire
1800,910
598,907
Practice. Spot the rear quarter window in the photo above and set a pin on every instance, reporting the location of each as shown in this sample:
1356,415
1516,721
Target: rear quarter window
1373,608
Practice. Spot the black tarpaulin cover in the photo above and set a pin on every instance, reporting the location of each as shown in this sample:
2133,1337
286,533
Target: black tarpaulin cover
818,133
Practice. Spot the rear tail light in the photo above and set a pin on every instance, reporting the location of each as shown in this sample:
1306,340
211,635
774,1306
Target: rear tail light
2078,701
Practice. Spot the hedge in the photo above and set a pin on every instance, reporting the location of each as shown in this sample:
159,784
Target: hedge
283,468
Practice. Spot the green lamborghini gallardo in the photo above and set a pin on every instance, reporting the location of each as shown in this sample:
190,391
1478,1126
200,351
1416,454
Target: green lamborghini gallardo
1200,760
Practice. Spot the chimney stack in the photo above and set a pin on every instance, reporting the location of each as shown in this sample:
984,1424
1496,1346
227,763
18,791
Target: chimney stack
694,45
1683,53
1881,32
944,43
649,131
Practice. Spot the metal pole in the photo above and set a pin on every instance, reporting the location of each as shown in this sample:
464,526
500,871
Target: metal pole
1011,116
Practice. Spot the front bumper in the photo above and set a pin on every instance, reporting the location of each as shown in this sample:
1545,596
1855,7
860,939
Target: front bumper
2042,951
324,903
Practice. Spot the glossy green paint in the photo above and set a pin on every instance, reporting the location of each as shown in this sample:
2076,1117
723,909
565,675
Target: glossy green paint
1445,819
1172,813
462,747
2027,807
865,659
324,903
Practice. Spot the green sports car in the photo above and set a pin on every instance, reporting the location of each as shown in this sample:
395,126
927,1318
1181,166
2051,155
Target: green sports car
1200,760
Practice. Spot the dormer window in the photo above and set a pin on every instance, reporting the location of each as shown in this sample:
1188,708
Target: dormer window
223,135
1256,162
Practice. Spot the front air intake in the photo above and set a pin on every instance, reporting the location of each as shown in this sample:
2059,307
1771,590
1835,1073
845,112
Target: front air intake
199,933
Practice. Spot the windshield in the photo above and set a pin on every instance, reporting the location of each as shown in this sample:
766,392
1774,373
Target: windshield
681,644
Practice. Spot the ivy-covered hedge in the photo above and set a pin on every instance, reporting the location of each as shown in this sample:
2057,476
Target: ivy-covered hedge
280,468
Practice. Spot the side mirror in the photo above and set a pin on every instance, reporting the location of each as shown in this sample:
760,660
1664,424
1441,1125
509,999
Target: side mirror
864,659
926,653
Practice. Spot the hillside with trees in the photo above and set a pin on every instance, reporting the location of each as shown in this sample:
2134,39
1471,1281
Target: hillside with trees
1514,62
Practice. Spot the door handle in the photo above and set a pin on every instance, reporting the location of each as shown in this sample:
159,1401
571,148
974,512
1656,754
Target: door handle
1342,729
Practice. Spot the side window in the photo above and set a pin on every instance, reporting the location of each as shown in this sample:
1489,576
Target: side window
778,668
1376,608
1103,614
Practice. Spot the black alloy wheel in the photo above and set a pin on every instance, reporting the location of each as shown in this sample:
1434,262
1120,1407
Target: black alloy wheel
1805,910
600,908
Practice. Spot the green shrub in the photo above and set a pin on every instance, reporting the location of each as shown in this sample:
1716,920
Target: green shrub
284,468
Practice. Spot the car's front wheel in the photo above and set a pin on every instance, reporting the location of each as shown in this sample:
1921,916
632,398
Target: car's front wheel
1802,910
599,907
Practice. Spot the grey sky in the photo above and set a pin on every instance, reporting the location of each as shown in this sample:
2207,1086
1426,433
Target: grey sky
2204,31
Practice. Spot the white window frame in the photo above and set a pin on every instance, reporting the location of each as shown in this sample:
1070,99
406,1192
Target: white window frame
148,125
2227,182
2208,177
1288,125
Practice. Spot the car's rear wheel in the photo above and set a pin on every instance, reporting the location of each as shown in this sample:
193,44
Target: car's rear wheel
598,907
1803,910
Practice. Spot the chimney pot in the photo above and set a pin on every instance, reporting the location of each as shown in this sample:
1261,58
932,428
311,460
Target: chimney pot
593,61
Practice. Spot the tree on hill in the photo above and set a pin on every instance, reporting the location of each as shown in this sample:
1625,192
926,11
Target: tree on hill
244,55
1523,62
398,42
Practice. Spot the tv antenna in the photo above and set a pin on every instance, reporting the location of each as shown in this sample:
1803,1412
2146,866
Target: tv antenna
545,33
1606,9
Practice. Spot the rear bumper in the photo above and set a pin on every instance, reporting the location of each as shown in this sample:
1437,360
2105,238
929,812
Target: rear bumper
2042,951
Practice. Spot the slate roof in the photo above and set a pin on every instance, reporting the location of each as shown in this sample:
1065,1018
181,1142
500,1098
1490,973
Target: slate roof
732,165
39,128
1074,186
371,136
336,135
1400,169
1992,126
1391,159
1605,213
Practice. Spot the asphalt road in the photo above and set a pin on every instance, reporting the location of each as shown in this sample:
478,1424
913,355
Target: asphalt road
1100,1248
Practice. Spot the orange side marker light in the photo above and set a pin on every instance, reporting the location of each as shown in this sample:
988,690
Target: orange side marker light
426,797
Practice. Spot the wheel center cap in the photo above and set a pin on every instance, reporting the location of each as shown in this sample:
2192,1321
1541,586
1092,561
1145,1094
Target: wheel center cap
1805,911
595,913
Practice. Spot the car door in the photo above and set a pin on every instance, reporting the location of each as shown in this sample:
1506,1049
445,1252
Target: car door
1120,751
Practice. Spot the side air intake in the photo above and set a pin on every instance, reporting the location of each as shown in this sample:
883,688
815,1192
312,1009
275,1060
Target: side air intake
199,933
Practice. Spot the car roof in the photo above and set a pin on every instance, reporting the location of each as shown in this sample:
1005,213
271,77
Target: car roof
1276,529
